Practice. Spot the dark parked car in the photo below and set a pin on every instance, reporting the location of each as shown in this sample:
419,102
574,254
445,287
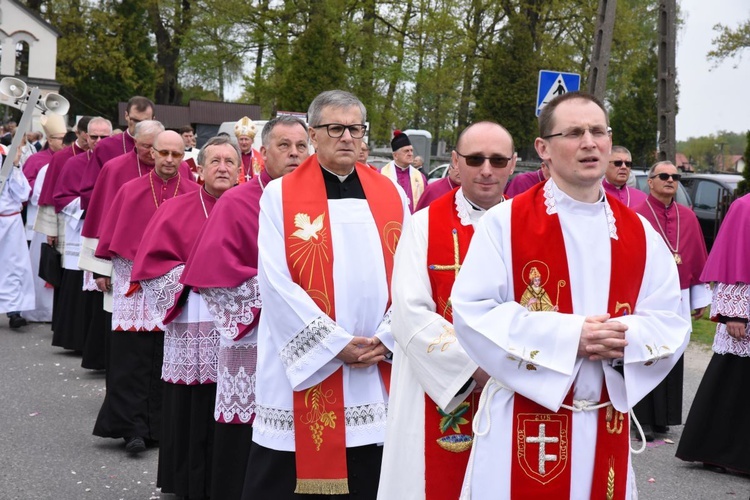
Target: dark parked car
711,195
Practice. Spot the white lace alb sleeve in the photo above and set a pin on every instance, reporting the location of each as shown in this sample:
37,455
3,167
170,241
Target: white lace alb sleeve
231,307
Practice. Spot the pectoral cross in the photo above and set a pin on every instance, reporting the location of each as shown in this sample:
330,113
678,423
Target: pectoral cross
456,266
542,441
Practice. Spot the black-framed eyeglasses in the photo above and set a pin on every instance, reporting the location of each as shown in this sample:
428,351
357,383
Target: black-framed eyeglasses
618,163
336,130
576,133
664,176
478,160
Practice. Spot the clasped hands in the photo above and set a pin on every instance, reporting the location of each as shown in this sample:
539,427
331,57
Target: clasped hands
362,352
602,339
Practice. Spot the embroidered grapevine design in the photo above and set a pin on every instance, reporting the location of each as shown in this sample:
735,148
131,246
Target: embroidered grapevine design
317,418
453,419
529,365
447,337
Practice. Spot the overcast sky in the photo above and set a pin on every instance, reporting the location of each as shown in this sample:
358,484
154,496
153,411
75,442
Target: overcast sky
711,99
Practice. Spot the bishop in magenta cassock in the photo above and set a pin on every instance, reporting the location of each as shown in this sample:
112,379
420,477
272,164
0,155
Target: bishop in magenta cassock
438,188
400,170
525,181
679,228
224,268
435,385
616,177
132,405
252,161
191,341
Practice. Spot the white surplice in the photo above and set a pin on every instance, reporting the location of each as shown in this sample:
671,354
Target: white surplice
298,343
16,280
43,294
496,331
417,369
71,215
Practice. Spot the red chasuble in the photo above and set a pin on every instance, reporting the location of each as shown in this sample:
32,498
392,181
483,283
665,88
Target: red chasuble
446,447
543,439
319,423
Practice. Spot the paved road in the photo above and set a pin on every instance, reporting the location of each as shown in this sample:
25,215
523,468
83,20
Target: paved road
49,404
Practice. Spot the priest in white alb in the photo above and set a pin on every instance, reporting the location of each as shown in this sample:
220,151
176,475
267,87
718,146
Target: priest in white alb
435,385
564,371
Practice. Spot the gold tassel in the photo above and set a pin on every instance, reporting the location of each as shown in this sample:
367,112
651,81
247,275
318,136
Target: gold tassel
322,487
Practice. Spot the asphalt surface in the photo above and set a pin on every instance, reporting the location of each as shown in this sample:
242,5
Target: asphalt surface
48,405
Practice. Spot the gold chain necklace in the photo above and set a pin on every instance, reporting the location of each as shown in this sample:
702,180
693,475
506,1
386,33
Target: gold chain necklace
676,248
153,191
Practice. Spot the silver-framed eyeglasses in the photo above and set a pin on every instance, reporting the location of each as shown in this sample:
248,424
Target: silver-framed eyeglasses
576,133
336,130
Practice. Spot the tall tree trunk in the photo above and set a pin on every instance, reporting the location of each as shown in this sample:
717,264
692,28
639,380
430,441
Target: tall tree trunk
168,46
396,70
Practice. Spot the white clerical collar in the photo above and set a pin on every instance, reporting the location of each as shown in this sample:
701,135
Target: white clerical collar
468,213
342,178
400,167
555,198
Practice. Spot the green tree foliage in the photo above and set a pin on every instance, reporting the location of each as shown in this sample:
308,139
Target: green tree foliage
634,117
730,42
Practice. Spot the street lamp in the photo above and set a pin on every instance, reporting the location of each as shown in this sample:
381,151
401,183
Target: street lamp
26,99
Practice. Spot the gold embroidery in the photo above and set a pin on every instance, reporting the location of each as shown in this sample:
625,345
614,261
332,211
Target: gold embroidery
318,418
611,479
623,305
535,297
447,337
456,266
391,235
616,417
310,252
529,364
655,351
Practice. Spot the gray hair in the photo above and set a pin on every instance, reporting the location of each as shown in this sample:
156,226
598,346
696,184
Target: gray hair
653,167
148,127
333,99
279,120
621,149
219,140
99,119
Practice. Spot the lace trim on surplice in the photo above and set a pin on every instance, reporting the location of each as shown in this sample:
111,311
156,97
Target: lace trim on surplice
190,353
162,292
235,385
235,306
732,301
277,423
311,338
129,313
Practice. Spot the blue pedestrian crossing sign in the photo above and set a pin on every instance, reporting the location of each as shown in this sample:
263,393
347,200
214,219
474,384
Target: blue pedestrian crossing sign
554,83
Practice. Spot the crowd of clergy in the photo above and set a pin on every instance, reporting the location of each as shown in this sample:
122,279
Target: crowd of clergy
282,324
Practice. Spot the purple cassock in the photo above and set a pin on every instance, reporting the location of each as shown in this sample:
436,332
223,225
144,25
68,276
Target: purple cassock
403,178
631,197
114,175
34,164
53,172
66,187
680,229
435,191
729,262
523,182
134,205
105,150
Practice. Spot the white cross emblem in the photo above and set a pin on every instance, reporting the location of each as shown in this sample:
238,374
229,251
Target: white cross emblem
542,441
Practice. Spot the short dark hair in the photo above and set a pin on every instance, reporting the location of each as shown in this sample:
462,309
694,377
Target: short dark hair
83,123
186,129
546,118
69,138
219,140
279,120
140,103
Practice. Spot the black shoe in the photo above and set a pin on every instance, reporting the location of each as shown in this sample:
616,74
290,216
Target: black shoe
17,321
135,445
715,468
661,429
648,433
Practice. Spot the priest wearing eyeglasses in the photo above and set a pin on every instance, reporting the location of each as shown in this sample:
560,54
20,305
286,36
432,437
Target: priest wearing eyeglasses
679,228
616,178
553,420
132,406
327,236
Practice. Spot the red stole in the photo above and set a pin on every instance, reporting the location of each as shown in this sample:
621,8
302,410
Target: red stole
319,423
542,445
447,436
